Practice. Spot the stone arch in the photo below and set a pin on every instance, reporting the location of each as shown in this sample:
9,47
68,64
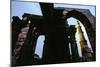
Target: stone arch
89,22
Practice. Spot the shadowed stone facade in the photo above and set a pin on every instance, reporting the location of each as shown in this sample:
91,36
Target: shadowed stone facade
56,31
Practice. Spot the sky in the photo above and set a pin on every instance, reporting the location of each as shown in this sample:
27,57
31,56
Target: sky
19,8
39,45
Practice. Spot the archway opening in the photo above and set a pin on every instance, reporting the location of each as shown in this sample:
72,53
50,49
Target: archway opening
87,25
39,46
73,21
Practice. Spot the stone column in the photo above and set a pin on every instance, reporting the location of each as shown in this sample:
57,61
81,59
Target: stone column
74,49
86,52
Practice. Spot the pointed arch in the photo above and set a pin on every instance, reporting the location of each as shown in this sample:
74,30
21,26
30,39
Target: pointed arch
87,24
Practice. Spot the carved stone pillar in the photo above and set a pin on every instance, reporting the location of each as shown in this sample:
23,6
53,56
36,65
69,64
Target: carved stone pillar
86,52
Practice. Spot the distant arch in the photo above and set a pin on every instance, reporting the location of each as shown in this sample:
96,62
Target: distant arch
86,22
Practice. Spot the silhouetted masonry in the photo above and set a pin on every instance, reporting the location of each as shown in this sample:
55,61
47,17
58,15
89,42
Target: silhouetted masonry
58,34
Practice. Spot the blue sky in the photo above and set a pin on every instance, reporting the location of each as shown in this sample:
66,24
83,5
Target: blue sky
39,45
19,8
